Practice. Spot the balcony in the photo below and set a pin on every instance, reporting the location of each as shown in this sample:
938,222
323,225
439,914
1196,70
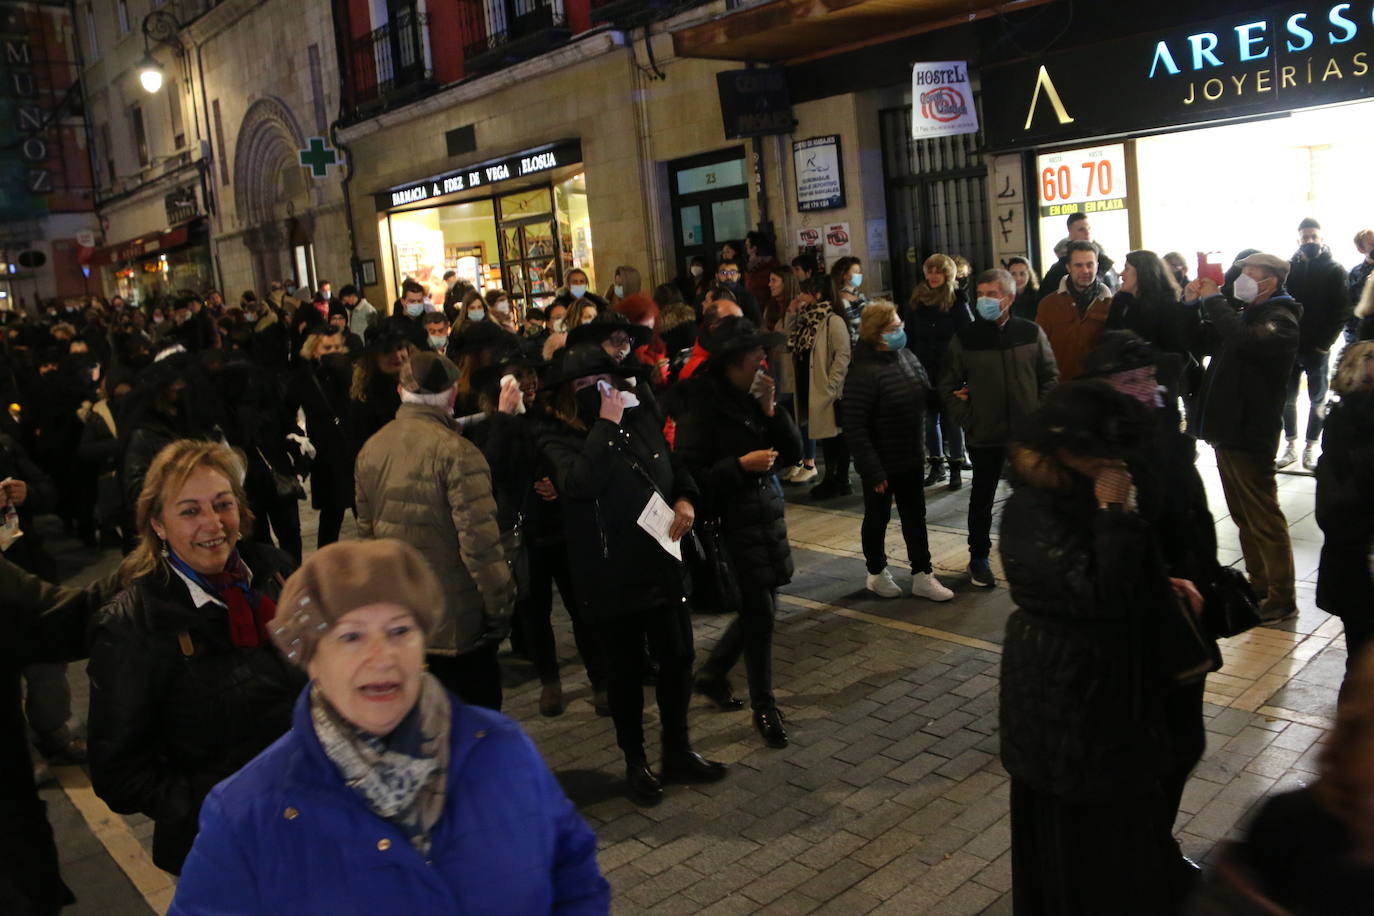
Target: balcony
627,14
503,32
390,64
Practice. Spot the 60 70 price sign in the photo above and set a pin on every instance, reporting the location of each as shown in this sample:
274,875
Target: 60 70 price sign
1091,180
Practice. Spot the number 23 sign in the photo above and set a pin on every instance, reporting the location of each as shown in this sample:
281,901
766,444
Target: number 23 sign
1092,179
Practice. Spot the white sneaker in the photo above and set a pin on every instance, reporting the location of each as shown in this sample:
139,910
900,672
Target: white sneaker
802,474
881,584
1309,459
925,585
1290,455
787,475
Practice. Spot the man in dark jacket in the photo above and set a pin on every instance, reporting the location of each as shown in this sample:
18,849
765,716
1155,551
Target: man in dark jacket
43,623
1320,284
998,370
1080,230
1240,412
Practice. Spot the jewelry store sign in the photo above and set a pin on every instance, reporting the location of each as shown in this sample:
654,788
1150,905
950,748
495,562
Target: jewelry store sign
1272,60
482,174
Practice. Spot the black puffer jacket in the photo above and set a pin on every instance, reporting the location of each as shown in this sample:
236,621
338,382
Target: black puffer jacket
721,424
604,476
1345,508
1240,403
929,331
1080,719
321,391
165,727
884,409
1323,288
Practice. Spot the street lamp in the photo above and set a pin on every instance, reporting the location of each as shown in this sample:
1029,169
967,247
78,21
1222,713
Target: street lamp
150,73
162,27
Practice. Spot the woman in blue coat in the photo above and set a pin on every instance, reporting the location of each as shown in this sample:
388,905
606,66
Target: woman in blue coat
388,795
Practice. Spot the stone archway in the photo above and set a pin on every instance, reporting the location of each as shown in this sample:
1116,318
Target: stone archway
266,177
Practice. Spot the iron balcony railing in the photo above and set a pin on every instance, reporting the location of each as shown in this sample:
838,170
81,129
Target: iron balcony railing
501,29
390,59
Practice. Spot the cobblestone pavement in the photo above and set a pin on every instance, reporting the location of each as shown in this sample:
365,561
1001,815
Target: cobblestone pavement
891,798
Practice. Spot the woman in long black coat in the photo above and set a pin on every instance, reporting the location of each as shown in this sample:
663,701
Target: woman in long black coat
1345,502
1097,642
609,460
319,388
733,439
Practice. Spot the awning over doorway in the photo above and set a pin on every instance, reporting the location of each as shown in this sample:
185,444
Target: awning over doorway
144,245
790,31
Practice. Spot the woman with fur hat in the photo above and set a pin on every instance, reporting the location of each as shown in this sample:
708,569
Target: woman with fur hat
388,794
1100,637
610,462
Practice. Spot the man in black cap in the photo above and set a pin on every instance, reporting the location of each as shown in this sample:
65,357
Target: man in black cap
420,481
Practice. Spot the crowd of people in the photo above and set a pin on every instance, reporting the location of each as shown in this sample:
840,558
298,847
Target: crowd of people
633,450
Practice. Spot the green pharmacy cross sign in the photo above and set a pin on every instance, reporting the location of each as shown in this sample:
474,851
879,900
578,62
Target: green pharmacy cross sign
318,158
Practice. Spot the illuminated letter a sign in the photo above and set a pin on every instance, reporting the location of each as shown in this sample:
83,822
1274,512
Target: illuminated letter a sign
1045,84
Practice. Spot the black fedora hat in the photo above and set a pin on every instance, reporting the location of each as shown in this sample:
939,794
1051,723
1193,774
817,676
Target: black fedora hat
580,361
734,335
600,329
507,364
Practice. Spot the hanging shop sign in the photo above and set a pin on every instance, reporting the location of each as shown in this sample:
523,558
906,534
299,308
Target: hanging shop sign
482,174
1274,60
755,102
1089,180
942,100
819,172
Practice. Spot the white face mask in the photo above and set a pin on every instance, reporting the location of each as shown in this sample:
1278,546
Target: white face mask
697,270
1246,288
559,326
437,340
578,290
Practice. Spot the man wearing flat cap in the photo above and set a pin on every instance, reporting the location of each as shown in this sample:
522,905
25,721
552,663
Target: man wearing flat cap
1253,339
420,481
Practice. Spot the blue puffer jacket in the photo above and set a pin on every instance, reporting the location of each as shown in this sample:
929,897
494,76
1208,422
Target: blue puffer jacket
285,835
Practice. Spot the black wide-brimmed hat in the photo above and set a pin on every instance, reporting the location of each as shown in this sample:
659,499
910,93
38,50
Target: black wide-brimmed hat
580,361
600,329
1087,417
1119,351
483,335
735,335
507,364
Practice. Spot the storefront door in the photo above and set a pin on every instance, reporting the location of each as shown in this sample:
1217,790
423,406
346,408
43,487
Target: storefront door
936,199
530,260
710,203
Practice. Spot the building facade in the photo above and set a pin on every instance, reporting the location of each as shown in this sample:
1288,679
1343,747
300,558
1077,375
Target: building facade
201,182
46,202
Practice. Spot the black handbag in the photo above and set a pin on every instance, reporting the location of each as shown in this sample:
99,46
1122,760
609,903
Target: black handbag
286,486
715,586
1231,606
517,557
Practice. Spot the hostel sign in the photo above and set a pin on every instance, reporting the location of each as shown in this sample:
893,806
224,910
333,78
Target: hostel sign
1288,57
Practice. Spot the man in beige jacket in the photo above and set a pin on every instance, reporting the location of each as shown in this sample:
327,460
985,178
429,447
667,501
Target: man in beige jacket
420,481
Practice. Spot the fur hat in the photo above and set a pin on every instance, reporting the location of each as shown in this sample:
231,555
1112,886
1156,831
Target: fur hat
348,575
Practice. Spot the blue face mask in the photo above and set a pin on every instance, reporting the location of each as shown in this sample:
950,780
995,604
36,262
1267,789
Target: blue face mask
476,314
989,309
437,340
856,280
895,340
578,290
619,291
415,309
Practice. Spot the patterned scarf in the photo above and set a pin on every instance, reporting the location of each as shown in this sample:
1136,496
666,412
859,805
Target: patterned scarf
403,776
249,610
803,336
1140,384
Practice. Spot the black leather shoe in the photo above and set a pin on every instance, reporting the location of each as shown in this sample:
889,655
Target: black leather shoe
719,692
689,766
769,723
644,787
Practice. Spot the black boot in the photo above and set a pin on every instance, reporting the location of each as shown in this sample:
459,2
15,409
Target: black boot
687,765
956,476
644,787
718,691
936,473
769,724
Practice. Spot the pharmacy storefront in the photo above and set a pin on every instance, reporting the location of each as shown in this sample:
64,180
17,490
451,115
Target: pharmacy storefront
1202,139
518,223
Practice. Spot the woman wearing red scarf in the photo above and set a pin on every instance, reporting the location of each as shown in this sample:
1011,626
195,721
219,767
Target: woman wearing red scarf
185,685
